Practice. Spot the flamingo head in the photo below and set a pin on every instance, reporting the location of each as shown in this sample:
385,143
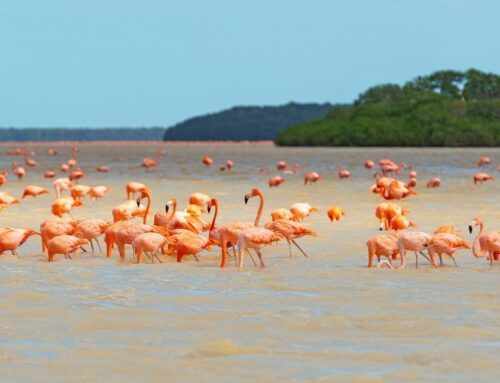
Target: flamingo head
475,222
253,193
172,202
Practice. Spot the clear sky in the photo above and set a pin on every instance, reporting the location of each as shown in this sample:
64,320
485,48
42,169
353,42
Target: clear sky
157,62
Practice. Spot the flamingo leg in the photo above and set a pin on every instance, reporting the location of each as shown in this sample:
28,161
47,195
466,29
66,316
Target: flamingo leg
235,259
416,260
441,260
262,265
196,258
300,248
251,257
425,256
92,246
453,258
385,262
99,245
290,249
83,249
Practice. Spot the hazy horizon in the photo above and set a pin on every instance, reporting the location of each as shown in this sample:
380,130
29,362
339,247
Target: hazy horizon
154,64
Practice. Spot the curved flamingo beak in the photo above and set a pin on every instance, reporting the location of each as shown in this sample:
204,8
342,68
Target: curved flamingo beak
246,198
138,201
470,229
166,208
209,207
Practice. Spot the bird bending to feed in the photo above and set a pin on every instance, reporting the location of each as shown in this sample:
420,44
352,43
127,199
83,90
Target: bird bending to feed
416,241
335,213
446,243
275,181
301,210
148,162
65,245
382,246
34,191
290,230
482,177
61,184
434,182
134,187
207,161
311,178
11,239
484,161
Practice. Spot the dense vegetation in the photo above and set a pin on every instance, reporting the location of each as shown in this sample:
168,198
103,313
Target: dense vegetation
245,123
81,134
446,108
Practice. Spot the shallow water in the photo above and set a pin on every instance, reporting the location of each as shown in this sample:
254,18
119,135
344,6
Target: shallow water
318,319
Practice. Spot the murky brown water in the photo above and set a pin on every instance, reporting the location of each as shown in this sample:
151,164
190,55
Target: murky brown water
326,318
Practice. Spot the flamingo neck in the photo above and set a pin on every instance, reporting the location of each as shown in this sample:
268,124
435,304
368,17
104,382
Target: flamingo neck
216,203
147,209
476,248
261,207
172,215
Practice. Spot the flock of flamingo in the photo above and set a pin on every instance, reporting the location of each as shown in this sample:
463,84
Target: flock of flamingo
181,233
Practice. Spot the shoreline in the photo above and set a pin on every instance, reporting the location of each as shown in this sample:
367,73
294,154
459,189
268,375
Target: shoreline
124,143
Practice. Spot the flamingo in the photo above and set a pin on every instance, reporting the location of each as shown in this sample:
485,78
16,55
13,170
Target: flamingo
286,229
281,214
11,239
207,161
64,244
8,199
102,169
256,238
301,210
435,182
150,163
49,174
34,191
447,229
412,182
416,241
80,191
63,205
229,164
73,160
3,177
482,177
483,161
52,152
446,243
127,210
110,235
386,211
228,234
18,171
281,165
335,213
76,174
311,178
134,187
148,243
369,164
91,229
275,181
488,242
400,222
29,161
382,245
55,226
61,184
343,173
99,191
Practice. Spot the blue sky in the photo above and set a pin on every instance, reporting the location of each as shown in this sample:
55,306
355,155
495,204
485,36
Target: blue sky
153,62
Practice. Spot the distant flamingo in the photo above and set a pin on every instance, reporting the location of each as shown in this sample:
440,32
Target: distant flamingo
134,187
396,190
311,178
488,242
3,177
99,191
412,182
482,177
61,184
64,244
127,210
73,160
150,163
18,171
80,191
369,164
400,222
11,239
200,199
145,193
52,152
301,210
275,181
412,173
55,226
207,161
282,165
34,191
335,213
382,246
483,161
416,241
64,167
63,205
343,173
76,174
7,199
281,214
435,182
446,243
29,162
102,169
49,174
229,164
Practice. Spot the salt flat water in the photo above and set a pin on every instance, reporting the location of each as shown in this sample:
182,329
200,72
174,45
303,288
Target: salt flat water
318,319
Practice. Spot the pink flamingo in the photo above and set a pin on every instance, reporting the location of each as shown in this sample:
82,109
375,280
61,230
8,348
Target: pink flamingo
275,181
446,243
311,178
11,239
435,182
416,241
64,244
488,242
482,177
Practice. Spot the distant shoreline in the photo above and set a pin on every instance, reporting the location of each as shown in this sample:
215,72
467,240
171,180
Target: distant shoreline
130,142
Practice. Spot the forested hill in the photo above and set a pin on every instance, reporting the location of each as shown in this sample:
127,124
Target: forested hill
446,108
81,134
245,122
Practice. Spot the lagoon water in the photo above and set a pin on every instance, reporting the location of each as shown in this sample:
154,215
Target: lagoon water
318,319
